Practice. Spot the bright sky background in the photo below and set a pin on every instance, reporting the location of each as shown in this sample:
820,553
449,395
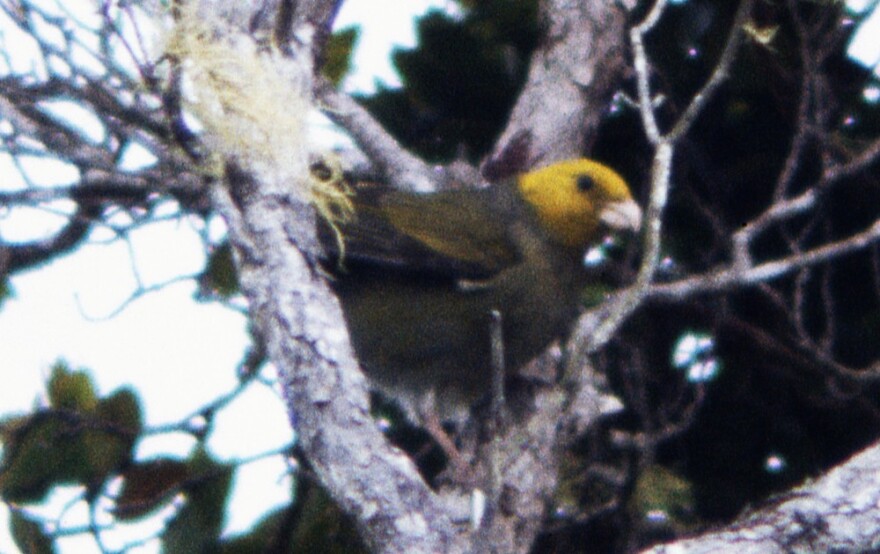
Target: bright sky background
178,354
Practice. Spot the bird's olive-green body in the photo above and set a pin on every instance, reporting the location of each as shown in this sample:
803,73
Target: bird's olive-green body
421,274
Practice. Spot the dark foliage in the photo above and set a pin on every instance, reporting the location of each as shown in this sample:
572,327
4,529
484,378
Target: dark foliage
460,82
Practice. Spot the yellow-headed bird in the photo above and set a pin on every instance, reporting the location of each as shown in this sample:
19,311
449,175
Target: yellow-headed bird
421,273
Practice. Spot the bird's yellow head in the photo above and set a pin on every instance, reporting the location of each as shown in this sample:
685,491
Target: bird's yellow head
573,198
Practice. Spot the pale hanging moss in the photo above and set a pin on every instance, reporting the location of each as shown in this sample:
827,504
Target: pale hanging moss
252,110
331,195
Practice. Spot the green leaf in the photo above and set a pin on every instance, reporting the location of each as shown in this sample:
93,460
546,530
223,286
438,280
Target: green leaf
122,409
220,276
197,526
52,447
32,461
105,439
337,54
71,390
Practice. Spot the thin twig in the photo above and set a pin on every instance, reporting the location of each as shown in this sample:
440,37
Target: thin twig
733,277
719,75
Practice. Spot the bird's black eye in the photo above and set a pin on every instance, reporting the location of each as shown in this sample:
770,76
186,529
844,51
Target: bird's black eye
585,183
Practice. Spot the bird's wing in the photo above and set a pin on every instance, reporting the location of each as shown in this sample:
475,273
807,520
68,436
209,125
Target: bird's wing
452,233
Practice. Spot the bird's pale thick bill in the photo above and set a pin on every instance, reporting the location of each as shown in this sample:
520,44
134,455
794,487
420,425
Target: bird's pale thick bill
626,215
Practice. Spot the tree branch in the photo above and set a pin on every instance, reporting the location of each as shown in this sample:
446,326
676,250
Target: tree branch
740,276
572,76
719,75
301,321
402,169
317,17
591,334
265,201
836,513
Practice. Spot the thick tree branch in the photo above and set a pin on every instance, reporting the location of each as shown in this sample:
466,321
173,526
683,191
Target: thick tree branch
265,200
317,17
576,69
301,322
836,513
572,76
402,169
272,229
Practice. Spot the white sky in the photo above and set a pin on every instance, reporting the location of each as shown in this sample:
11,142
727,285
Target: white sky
178,354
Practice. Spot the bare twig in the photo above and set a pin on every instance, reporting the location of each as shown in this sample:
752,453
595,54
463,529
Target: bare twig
626,303
643,71
724,279
868,156
719,74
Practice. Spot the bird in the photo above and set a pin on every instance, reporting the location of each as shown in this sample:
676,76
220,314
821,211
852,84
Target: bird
419,275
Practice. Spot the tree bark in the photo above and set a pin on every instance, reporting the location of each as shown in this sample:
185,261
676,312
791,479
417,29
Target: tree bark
836,513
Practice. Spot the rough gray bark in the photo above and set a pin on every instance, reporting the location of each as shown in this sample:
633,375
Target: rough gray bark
572,77
301,322
836,513
267,206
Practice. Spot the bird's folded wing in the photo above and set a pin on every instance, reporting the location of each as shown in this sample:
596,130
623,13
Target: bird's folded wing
448,234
